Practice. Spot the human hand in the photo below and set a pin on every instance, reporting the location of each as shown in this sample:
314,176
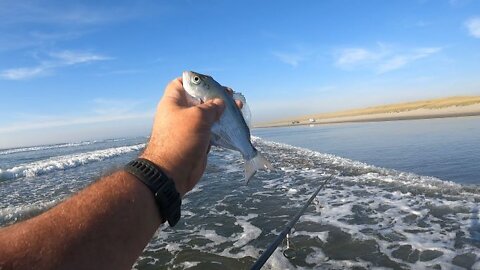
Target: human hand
181,135
180,138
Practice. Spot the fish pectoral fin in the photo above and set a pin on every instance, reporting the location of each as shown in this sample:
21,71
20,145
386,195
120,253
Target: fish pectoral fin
256,163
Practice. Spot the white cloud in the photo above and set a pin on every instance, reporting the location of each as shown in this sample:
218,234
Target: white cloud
62,122
23,73
72,58
20,39
292,59
350,57
393,63
71,129
56,60
299,54
104,118
45,12
473,26
399,61
41,24
382,58
101,111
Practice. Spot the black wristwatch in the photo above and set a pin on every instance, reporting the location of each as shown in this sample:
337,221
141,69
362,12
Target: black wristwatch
163,189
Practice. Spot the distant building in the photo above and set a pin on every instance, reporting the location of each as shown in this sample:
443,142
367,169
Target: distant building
312,120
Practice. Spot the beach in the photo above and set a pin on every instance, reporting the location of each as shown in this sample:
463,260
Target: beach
426,109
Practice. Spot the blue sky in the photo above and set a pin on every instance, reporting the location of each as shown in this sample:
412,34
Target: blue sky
78,70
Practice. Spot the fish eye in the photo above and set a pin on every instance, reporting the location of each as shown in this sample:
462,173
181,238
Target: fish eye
196,80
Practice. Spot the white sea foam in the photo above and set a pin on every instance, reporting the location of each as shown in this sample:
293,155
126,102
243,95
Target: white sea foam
65,162
189,264
43,147
249,233
371,173
320,235
316,257
383,205
13,214
213,236
292,191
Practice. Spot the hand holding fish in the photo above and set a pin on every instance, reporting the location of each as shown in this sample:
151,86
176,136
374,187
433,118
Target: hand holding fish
188,120
180,136
116,216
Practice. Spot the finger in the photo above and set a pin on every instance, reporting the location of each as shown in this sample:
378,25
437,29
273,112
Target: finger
239,103
174,88
229,90
212,109
174,92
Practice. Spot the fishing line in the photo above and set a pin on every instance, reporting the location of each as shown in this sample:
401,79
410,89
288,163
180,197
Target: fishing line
265,255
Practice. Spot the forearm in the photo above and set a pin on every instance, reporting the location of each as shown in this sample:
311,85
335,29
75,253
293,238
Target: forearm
87,230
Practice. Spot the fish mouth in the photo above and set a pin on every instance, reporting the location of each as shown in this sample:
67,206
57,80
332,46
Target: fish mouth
186,75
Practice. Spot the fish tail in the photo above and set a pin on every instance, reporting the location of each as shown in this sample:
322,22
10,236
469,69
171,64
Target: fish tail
256,163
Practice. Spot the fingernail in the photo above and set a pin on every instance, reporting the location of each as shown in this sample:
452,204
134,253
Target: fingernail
218,101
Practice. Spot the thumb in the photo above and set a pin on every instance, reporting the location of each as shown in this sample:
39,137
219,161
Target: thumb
175,93
212,110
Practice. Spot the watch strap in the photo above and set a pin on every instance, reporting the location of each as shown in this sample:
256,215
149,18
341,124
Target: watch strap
163,188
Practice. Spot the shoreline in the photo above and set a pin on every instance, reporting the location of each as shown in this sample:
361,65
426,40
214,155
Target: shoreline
417,114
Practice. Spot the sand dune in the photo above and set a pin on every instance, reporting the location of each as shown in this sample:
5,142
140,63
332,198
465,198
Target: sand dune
424,109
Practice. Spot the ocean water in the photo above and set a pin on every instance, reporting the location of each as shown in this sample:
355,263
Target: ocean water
367,216
447,148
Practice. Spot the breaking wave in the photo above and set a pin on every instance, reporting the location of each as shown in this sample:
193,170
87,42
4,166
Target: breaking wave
64,162
362,172
9,215
43,147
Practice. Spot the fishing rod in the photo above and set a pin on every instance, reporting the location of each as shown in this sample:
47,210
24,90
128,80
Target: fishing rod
265,255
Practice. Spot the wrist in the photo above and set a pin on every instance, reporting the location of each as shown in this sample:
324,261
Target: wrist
161,187
140,191
169,167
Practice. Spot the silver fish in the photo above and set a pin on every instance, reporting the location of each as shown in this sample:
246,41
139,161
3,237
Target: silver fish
231,131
